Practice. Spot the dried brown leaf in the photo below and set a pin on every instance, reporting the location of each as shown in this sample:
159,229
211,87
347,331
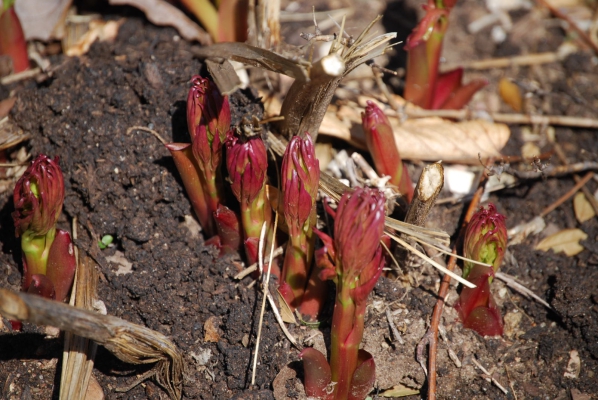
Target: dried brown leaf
566,241
163,13
94,390
429,139
104,31
42,19
582,207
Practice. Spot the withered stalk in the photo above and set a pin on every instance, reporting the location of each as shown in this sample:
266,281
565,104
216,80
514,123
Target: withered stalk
309,96
428,188
129,342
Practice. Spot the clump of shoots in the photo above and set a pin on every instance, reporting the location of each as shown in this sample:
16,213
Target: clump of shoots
382,146
12,39
486,242
424,85
354,261
199,163
48,255
300,177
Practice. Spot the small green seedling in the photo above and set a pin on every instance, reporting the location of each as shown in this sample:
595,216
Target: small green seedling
105,242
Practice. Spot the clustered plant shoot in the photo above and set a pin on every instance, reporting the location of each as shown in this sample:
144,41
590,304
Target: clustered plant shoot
48,255
354,261
486,242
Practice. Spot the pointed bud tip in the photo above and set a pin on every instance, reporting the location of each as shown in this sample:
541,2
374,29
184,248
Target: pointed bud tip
38,197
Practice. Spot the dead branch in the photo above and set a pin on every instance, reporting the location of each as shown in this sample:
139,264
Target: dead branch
560,170
256,57
304,106
129,342
428,188
505,62
560,120
567,195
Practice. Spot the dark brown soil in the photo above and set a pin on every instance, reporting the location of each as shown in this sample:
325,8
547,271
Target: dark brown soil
124,183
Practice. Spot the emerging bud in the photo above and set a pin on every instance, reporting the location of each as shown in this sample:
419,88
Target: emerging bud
432,23
358,227
38,197
41,285
300,179
383,148
229,231
247,163
485,239
207,107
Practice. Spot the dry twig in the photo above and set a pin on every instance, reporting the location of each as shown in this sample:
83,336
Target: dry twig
557,13
393,327
129,342
526,119
589,196
567,195
506,62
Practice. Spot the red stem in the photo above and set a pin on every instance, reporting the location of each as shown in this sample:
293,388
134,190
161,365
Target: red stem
346,334
297,261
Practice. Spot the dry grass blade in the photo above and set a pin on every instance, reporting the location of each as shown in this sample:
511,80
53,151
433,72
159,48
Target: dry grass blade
518,287
129,342
79,352
429,260
259,328
268,296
